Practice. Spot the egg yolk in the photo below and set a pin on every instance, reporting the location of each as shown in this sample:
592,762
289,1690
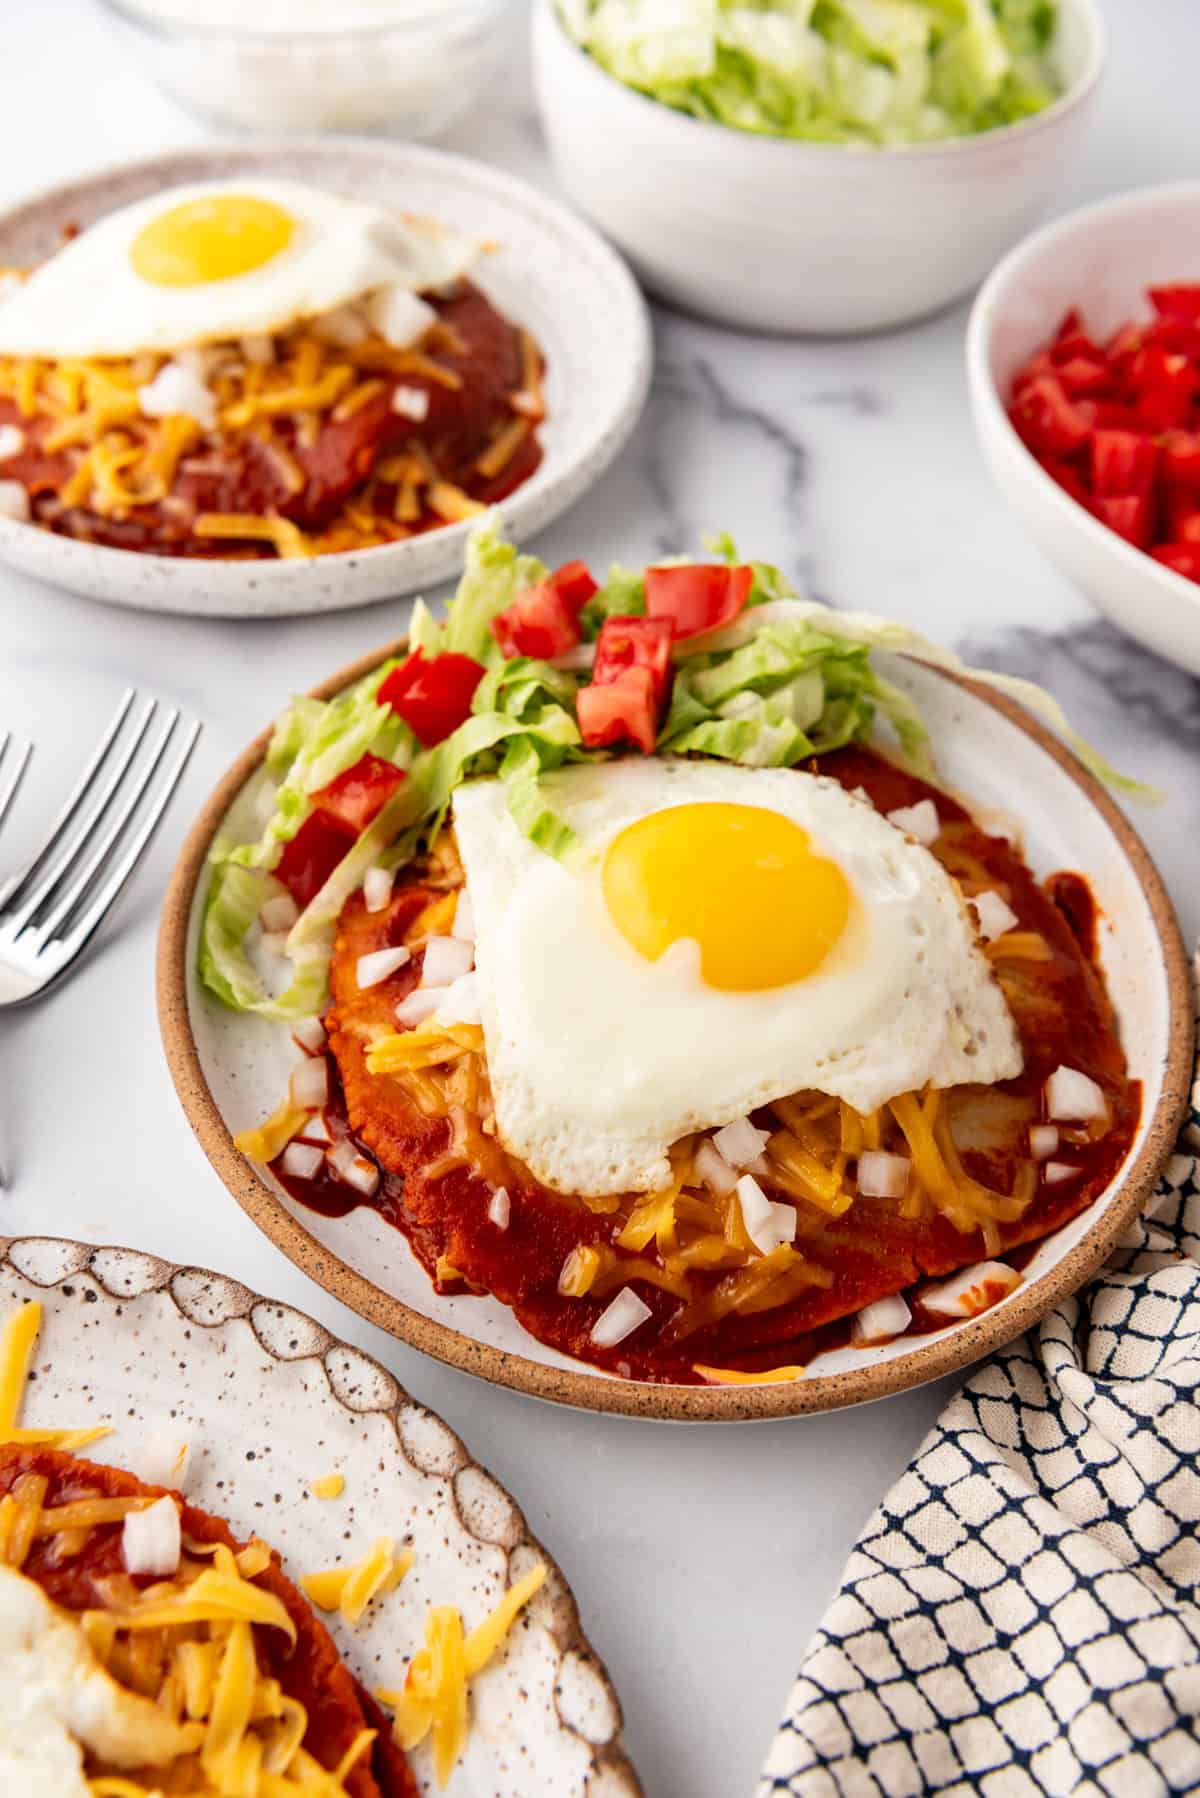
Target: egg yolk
743,882
211,239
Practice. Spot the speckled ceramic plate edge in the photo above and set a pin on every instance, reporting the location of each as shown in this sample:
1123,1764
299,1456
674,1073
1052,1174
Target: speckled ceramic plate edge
590,1390
61,1273
622,353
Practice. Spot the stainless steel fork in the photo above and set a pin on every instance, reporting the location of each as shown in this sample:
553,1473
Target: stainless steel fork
51,908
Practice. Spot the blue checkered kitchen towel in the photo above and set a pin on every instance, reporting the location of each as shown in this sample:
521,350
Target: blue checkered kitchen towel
1021,1615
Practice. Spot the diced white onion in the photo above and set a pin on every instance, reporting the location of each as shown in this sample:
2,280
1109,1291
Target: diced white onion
1043,1140
461,1004
740,1142
576,660
994,914
198,359
464,917
411,402
620,1319
882,1175
351,1167
420,1004
1073,1095
880,1321
176,389
316,1129
768,1225
971,1290
500,1207
344,327
164,1460
310,1034
920,820
309,1085
1055,1172
279,912
377,888
379,965
274,942
258,347
399,315
714,1170
14,502
446,957
301,1160
152,1540
12,441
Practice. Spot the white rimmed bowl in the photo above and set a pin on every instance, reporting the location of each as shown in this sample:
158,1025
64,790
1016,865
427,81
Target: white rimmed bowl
230,1068
1101,259
774,235
549,272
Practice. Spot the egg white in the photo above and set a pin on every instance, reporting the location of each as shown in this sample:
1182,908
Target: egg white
599,1060
89,301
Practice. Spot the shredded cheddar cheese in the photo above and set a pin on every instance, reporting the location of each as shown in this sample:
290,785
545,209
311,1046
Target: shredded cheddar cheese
16,1354
731,1376
349,1590
274,1133
328,1485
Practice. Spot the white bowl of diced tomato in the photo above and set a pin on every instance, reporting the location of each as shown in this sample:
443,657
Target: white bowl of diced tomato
1083,360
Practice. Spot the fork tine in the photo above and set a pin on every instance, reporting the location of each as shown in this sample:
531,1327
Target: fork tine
10,782
92,914
59,857
95,849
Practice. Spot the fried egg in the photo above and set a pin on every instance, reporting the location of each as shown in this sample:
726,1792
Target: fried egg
727,936
218,260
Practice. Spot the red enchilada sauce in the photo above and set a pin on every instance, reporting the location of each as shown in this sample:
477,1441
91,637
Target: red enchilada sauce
1063,1017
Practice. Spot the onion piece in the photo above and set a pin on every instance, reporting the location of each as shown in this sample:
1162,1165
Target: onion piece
274,942
446,957
309,1034
880,1321
176,389
14,502
500,1208
740,1142
920,821
316,1130
420,1004
461,1003
380,965
1055,1172
626,1313
996,917
152,1540
971,1290
165,1460
352,1167
464,917
309,1084
768,1225
712,1167
882,1175
1043,1140
12,441
302,1160
377,888
1072,1095
411,402
399,315
279,912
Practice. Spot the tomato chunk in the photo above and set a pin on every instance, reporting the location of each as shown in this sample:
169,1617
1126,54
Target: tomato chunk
634,643
540,622
1181,299
359,793
1181,459
1130,515
697,597
1184,558
623,710
574,581
1123,462
1048,420
433,696
313,853
1166,384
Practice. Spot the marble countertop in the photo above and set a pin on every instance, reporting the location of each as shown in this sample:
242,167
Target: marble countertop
853,465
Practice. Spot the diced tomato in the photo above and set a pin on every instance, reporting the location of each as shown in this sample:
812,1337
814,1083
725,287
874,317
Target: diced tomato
1124,344
699,596
1184,558
1040,363
1181,515
1122,462
1048,420
1181,299
624,710
540,622
1130,515
433,696
573,580
1176,335
313,853
1166,386
1085,374
359,793
1069,479
1181,459
634,643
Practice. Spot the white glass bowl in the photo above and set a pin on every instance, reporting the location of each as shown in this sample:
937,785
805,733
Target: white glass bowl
409,67
1101,259
774,235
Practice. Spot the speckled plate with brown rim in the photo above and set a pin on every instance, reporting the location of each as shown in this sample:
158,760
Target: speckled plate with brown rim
230,1070
132,1340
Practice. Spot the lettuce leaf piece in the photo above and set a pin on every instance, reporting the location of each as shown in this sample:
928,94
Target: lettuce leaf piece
623,595
493,575
231,907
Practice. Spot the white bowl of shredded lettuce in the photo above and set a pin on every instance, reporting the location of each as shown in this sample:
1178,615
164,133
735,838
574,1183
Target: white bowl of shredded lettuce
813,165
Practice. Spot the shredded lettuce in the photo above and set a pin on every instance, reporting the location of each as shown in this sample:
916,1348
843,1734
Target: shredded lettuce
837,71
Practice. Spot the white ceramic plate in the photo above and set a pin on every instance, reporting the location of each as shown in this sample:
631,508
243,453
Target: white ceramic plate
550,272
132,1340
230,1070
